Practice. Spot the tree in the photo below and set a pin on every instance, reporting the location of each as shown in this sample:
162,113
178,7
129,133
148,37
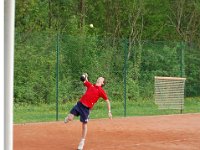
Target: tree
185,19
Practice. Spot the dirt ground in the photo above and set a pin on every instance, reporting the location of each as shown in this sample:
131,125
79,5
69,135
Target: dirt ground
169,132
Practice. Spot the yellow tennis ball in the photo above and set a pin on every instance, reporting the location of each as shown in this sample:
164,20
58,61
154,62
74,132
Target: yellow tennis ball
91,26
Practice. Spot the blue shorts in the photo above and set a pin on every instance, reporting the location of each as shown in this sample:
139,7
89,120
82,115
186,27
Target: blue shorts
80,110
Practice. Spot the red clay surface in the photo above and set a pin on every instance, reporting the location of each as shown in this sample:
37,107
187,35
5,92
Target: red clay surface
173,132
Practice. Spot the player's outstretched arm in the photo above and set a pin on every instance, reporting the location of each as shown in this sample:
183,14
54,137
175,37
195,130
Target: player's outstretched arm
109,109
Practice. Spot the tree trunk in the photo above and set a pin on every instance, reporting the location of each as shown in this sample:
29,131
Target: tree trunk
82,14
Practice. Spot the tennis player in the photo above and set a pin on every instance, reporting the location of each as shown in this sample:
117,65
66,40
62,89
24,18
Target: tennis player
86,103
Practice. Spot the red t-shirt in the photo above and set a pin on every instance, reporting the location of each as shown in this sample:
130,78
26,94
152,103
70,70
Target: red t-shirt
92,94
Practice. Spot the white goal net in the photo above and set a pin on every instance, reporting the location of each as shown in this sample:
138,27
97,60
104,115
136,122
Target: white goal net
169,92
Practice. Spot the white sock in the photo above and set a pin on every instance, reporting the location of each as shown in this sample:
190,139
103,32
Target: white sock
82,139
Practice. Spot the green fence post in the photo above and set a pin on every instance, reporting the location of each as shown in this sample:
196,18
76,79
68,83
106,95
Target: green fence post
57,74
182,63
125,74
182,59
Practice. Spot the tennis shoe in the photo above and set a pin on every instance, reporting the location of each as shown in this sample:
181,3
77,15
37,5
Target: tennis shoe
81,144
66,120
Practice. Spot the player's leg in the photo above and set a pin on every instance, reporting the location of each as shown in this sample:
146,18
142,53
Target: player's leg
84,117
84,130
84,133
68,118
74,112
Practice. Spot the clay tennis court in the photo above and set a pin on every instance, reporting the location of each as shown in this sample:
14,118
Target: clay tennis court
168,132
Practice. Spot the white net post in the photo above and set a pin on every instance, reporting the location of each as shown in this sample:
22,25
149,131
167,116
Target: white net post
169,92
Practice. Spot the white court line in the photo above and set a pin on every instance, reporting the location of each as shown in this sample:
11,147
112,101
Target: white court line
170,141
153,142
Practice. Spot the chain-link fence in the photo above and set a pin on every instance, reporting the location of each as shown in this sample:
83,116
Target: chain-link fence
48,67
